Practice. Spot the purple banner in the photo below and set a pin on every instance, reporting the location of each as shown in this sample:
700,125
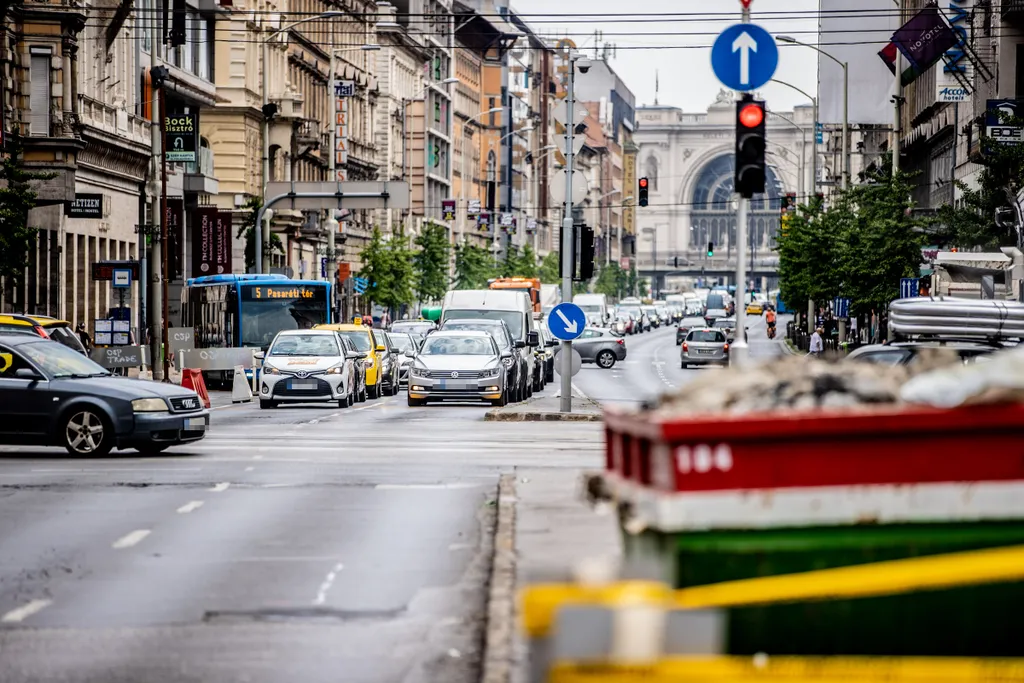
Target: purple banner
175,216
223,243
204,241
924,38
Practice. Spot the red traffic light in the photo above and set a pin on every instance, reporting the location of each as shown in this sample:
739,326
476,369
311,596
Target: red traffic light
751,115
643,182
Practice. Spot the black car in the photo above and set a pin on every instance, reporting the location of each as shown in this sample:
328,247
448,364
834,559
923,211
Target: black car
52,396
506,342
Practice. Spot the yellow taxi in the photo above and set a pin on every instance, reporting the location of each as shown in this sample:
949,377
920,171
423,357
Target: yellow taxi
373,343
41,326
755,308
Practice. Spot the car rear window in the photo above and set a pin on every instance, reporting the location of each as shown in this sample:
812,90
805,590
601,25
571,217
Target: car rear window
64,335
706,336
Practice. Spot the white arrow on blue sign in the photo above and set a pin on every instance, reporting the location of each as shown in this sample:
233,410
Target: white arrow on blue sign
566,321
744,57
909,287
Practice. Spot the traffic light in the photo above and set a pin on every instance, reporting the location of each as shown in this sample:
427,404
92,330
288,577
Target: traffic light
586,253
750,147
711,249
643,192
675,261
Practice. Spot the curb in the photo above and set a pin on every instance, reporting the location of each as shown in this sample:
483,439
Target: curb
538,416
501,623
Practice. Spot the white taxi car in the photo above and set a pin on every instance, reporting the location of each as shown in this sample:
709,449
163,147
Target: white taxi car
308,366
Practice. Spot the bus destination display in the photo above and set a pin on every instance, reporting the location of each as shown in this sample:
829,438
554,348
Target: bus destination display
280,292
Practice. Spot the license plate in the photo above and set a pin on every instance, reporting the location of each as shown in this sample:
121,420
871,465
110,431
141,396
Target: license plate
304,384
454,386
195,424
706,352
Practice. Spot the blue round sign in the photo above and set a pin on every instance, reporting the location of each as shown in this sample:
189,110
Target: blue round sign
744,57
566,321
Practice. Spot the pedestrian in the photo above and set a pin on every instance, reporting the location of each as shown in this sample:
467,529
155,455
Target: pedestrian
817,345
83,336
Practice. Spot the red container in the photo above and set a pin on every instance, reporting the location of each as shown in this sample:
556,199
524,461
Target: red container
800,468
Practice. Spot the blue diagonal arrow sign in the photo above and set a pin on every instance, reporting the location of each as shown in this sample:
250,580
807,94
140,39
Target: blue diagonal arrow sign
744,57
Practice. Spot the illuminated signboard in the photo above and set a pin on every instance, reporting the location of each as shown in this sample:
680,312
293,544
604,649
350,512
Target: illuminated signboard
285,292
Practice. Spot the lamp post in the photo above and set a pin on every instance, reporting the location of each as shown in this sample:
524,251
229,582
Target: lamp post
814,142
846,102
462,185
263,231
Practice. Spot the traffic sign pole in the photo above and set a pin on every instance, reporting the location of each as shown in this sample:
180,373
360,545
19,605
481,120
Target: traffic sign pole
565,404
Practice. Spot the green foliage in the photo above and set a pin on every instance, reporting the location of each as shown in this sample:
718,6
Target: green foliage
518,263
248,229
858,247
548,271
388,265
17,198
473,267
612,281
430,263
972,222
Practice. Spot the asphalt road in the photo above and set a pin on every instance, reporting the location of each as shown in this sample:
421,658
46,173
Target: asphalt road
302,544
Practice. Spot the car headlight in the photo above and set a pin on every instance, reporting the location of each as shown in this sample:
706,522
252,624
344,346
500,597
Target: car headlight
336,370
150,405
270,370
493,372
420,372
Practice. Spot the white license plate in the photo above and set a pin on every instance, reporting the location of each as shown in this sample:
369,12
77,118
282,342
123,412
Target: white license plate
455,386
195,424
706,352
302,384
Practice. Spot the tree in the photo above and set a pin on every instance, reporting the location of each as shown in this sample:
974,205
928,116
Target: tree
519,263
549,270
612,281
17,198
431,263
527,262
387,265
809,251
473,267
248,229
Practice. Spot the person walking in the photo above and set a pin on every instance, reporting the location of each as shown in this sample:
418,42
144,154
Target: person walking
83,336
817,344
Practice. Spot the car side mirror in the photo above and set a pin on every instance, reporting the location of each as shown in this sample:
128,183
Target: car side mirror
520,344
550,343
259,355
27,373
506,354
409,353
381,347
532,339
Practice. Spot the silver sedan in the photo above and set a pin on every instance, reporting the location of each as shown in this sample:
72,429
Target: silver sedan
704,347
601,347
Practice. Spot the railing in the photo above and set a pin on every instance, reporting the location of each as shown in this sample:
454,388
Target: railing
308,132
113,120
203,164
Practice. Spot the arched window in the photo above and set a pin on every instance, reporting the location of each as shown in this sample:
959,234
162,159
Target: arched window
712,206
652,173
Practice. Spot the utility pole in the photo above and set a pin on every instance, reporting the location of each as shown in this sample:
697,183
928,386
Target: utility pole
565,405
157,209
163,238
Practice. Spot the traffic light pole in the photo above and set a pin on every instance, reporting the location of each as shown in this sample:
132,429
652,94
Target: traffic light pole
565,404
738,350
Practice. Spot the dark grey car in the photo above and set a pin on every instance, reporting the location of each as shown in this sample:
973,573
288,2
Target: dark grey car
704,347
601,347
51,395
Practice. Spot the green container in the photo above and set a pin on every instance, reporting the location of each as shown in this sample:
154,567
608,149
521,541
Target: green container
973,621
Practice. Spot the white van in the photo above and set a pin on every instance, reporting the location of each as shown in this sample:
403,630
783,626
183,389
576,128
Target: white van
596,308
512,306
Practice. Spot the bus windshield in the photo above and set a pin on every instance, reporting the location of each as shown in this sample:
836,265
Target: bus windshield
269,309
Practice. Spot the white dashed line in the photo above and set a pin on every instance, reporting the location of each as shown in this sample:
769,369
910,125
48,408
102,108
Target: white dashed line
321,595
25,611
223,486
257,457
425,487
249,469
130,539
190,507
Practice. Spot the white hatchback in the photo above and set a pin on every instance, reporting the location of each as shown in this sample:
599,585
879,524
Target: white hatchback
308,366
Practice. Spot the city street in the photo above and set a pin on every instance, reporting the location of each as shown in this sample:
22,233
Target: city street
292,544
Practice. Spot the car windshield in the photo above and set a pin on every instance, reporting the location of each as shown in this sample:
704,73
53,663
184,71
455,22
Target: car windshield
457,346
706,336
402,342
725,323
630,310
416,327
715,301
692,322
513,319
305,345
494,330
591,308
360,339
57,360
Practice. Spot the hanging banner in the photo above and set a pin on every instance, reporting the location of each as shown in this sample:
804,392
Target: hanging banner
531,226
204,241
343,90
175,238
629,188
474,207
956,68
223,243
448,209
483,221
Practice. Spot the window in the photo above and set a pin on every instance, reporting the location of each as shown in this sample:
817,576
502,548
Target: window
590,334
10,363
490,105
39,96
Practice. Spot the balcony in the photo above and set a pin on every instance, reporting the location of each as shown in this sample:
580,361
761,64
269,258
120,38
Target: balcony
115,122
199,176
308,133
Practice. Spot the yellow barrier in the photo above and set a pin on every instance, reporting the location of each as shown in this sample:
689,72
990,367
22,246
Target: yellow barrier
797,670
542,601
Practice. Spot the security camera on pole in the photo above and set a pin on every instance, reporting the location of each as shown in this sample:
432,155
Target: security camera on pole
744,58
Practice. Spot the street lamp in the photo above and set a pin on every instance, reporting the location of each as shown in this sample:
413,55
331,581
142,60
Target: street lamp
264,230
462,185
846,102
814,144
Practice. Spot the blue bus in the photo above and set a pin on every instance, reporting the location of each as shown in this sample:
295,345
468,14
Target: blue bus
249,310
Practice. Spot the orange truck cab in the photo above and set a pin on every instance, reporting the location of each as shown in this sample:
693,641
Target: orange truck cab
530,285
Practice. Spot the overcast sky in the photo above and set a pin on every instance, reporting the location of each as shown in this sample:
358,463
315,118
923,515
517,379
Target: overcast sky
685,75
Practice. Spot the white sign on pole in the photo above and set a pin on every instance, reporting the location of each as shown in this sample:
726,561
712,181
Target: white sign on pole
579,188
343,90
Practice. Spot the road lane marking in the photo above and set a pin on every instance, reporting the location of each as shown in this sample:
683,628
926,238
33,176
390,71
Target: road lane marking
25,611
190,506
249,469
425,487
130,539
223,486
257,457
321,595
105,471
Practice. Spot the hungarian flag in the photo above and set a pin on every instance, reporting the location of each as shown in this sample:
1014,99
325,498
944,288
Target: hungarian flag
888,55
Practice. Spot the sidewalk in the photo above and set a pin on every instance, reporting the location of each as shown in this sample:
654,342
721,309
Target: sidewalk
546,408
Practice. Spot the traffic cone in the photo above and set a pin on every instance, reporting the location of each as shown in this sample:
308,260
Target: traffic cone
240,391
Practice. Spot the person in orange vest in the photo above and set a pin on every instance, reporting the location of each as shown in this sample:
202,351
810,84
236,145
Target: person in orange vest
769,319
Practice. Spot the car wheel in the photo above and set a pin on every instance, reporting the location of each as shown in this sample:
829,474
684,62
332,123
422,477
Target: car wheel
264,405
683,365
605,359
396,386
361,396
87,432
373,391
152,449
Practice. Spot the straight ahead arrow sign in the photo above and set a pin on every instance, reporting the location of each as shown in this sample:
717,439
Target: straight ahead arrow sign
570,325
745,44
